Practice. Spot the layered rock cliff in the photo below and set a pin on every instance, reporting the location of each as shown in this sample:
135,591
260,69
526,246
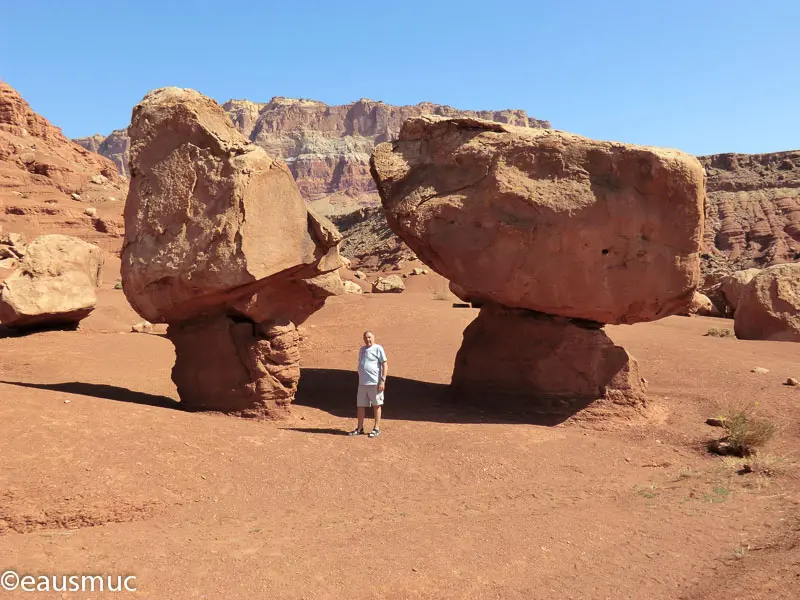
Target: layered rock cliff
753,210
326,147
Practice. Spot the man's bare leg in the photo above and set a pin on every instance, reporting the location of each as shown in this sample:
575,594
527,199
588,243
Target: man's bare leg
361,411
376,410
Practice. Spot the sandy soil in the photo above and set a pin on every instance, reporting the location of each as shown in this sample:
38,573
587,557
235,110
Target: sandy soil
103,474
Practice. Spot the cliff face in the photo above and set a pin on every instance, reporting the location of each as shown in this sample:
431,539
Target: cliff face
326,147
753,211
32,151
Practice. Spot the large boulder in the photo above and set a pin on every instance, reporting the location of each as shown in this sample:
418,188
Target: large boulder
220,245
54,285
546,364
733,285
210,218
546,220
769,306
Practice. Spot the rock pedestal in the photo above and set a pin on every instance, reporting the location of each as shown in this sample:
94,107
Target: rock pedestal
235,365
549,364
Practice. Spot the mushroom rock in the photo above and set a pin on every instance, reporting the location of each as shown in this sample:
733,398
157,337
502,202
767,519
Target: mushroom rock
220,245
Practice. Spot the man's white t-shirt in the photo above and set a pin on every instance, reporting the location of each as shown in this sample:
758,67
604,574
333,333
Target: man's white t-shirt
370,359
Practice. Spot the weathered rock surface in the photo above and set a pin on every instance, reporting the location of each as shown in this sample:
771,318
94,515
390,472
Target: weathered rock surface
54,285
546,220
733,285
218,243
769,306
753,210
548,364
115,147
327,148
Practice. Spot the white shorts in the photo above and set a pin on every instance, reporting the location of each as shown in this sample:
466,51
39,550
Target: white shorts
368,395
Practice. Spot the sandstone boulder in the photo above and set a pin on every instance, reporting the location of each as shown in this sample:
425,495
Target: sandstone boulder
547,364
54,285
769,306
733,285
702,306
546,220
220,245
389,284
352,287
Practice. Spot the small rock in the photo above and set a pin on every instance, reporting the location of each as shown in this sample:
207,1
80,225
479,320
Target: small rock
76,197
346,262
417,271
99,179
90,211
352,288
405,275
759,370
359,275
716,422
111,199
388,284
792,381
142,327
67,401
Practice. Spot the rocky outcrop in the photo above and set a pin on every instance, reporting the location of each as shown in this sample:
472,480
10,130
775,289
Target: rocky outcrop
702,306
753,211
769,306
32,151
546,220
552,235
220,245
327,148
55,284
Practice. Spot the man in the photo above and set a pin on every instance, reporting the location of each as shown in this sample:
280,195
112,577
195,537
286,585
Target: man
372,371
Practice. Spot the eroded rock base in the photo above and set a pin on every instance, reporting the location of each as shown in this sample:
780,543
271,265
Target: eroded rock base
544,364
236,366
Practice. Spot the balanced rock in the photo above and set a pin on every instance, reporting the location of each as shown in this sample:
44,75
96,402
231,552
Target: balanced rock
733,285
769,306
564,365
54,285
546,220
220,245
389,284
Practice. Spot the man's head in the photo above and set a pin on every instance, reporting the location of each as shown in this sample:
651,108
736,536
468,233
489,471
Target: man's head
369,338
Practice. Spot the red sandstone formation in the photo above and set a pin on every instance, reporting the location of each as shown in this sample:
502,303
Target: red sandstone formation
220,245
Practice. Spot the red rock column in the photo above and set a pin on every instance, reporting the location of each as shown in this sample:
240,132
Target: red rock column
236,366
547,364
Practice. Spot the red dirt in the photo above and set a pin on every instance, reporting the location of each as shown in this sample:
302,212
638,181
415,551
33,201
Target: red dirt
450,502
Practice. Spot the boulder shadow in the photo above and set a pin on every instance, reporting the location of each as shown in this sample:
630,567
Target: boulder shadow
106,392
334,391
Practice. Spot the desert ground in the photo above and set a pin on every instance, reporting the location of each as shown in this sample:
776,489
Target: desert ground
102,472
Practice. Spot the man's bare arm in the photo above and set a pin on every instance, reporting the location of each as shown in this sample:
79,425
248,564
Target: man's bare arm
384,373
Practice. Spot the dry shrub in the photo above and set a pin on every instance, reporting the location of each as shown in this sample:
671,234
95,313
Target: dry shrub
746,432
719,332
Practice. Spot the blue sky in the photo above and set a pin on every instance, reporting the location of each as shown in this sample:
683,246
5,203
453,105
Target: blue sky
705,76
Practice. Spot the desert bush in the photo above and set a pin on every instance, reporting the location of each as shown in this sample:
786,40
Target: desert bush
719,332
746,433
